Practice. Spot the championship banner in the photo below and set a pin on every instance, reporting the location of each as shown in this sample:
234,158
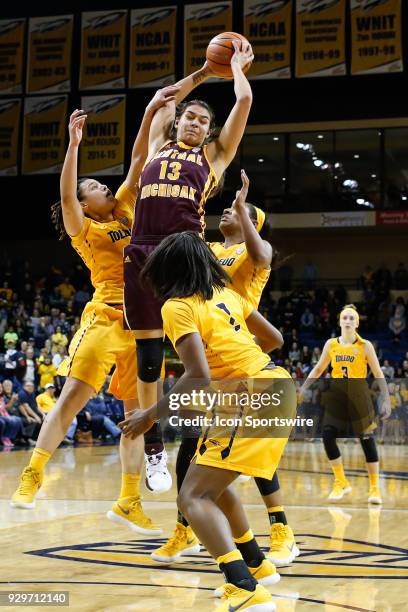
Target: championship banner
49,54
152,47
11,55
268,26
201,23
320,46
102,148
45,120
103,47
9,131
376,36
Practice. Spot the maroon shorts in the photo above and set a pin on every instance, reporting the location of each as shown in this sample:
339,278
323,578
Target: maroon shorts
142,310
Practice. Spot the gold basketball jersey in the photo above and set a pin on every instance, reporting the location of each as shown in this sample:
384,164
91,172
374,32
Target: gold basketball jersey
348,361
247,280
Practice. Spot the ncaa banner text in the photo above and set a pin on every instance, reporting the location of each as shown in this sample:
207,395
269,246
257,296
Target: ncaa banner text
201,23
103,45
376,36
49,54
152,47
268,26
10,110
11,55
103,143
44,134
320,44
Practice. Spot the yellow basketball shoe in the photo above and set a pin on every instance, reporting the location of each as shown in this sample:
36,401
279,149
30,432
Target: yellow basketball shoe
236,599
30,482
128,511
283,549
182,542
374,495
265,574
340,488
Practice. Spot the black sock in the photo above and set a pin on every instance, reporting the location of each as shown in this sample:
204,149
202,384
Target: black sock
251,553
238,574
277,516
181,519
153,440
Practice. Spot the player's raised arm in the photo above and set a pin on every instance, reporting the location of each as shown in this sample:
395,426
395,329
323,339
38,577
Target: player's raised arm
259,251
72,213
163,99
165,116
222,151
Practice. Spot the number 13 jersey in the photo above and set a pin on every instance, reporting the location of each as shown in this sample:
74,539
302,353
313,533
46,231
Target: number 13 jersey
173,189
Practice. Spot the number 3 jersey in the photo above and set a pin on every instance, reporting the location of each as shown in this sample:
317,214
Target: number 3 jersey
229,346
173,189
348,361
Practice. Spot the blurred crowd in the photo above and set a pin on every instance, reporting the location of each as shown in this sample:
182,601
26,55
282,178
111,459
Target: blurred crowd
39,314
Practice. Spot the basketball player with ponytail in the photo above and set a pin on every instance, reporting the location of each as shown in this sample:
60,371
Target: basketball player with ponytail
185,165
349,403
98,224
246,257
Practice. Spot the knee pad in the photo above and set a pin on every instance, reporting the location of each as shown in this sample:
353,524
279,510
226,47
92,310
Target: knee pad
369,447
267,487
330,444
150,353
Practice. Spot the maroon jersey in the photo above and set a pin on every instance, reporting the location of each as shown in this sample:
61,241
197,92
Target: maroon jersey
173,189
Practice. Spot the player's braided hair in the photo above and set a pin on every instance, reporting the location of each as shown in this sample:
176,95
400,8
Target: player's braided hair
183,265
56,211
182,107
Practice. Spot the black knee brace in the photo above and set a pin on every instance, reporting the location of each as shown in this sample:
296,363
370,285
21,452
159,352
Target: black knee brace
185,454
369,447
150,353
267,487
329,441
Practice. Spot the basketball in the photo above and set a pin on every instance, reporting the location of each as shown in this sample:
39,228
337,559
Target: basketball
219,53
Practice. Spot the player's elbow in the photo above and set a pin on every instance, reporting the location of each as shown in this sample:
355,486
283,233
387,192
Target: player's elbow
245,99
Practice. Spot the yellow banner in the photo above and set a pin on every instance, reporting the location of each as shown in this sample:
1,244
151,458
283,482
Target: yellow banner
103,46
268,25
45,119
152,46
102,148
9,129
49,54
11,55
376,36
320,46
201,23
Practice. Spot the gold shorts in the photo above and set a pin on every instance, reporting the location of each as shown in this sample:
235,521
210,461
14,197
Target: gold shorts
98,345
258,457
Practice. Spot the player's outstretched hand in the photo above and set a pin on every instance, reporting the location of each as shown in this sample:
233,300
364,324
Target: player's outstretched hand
76,123
242,56
241,195
163,96
137,424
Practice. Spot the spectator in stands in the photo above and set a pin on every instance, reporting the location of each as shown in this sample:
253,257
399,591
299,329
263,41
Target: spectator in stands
97,407
307,320
10,335
310,275
12,425
401,277
59,340
31,416
306,356
46,400
367,279
47,371
294,353
397,323
388,370
58,357
315,355
64,323
11,357
31,366
66,289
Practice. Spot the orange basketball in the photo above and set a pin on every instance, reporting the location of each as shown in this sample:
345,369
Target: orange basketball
219,53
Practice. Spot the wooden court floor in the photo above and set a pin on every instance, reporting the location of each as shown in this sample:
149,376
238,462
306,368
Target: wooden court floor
352,557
